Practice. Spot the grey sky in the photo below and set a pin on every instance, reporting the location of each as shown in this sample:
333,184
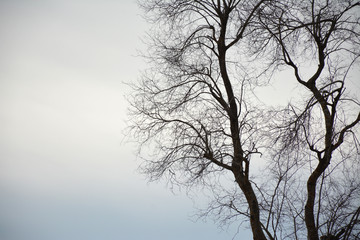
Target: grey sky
64,172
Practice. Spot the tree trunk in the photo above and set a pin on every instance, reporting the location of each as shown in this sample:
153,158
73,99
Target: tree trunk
309,207
311,194
239,173
245,185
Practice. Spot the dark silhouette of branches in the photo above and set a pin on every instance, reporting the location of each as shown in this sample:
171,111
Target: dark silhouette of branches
196,110
319,32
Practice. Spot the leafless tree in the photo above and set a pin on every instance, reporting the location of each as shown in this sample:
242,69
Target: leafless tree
319,41
195,109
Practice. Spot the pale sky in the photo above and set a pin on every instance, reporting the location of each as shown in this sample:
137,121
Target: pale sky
65,171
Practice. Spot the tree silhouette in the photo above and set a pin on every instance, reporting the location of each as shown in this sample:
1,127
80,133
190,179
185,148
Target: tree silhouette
195,108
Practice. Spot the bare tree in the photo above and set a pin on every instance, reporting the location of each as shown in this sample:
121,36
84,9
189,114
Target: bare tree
319,41
195,109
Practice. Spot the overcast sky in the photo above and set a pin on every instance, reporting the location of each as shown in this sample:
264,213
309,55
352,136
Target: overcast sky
65,172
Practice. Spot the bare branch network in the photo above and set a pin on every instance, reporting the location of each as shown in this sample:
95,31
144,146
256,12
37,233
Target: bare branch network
288,171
